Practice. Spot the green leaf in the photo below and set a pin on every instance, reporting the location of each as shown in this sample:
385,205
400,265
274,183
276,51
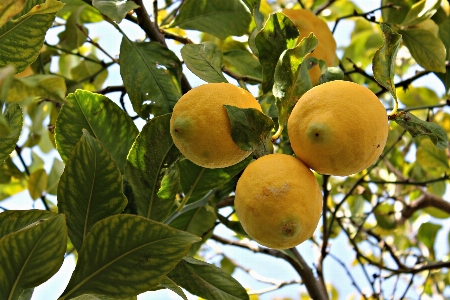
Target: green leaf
384,214
22,39
149,158
204,60
90,73
151,74
169,284
37,183
72,37
217,17
291,81
10,8
236,226
207,281
426,48
420,11
198,181
427,235
430,157
114,9
125,255
14,118
89,166
331,73
31,255
27,294
279,33
51,87
418,96
245,64
251,129
102,118
200,221
416,127
227,265
383,62
88,14
15,220
53,177
102,297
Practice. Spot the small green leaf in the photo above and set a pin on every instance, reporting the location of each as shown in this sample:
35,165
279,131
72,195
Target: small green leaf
102,297
384,59
427,235
151,74
14,120
72,37
207,281
149,158
198,181
417,96
204,60
279,33
426,48
217,17
330,74
102,118
291,81
236,226
30,256
416,127
125,255
245,64
53,178
430,157
37,183
384,214
89,166
227,265
420,11
87,13
169,284
27,294
397,13
251,129
22,39
15,220
114,9
10,8
49,87
91,74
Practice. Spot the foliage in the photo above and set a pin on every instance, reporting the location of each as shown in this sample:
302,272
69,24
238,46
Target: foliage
139,217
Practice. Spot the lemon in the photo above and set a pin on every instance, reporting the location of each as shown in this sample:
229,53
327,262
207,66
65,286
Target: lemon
307,22
200,126
278,201
338,128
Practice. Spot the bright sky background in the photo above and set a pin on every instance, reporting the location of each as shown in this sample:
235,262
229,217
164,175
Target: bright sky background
264,265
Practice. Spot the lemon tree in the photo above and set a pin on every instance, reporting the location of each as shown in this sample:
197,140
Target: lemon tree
175,148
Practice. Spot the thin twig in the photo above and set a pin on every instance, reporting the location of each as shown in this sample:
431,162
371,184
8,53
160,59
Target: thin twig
94,43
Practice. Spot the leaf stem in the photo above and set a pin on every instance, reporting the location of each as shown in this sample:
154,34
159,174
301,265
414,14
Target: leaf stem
277,134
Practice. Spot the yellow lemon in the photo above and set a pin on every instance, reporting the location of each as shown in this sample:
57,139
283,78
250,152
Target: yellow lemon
307,22
338,128
200,126
278,201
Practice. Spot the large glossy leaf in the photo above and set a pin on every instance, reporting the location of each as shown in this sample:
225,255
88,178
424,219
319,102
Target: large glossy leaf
291,81
426,48
89,166
21,39
204,60
125,255
217,17
198,181
114,9
279,33
151,74
207,281
251,129
384,59
10,8
15,220
102,118
13,116
148,162
30,256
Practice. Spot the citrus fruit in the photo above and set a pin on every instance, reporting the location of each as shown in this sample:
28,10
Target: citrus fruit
307,22
338,128
200,126
278,201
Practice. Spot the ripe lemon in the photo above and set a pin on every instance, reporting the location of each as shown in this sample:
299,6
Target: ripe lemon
307,22
200,126
338,128
278,201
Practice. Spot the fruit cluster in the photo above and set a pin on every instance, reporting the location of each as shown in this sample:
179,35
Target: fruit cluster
336,128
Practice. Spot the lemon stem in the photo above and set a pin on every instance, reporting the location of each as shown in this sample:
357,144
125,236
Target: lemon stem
394,111
278,133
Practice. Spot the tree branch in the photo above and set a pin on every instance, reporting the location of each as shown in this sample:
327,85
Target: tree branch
424,200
